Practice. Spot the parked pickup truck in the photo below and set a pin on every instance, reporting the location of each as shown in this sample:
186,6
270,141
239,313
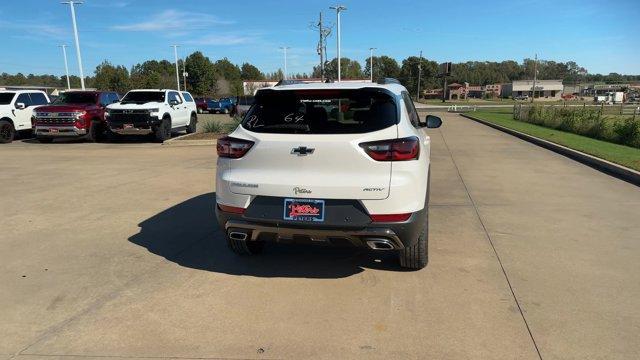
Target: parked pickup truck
16,109
78,114
155,112
224,105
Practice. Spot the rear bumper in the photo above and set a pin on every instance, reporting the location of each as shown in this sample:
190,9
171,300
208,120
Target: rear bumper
59,131
399,235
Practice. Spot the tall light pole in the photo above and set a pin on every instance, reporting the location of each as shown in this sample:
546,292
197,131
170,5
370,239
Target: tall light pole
338,9
371,61
284,48
419,75
175,53
535,77
66,64
75,34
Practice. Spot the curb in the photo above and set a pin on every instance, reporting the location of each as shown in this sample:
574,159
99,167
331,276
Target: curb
190,143
607,167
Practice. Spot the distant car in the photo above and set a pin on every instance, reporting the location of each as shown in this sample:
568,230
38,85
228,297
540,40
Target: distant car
201,105
16,110
243,105
521,97
154,112
77,114
224,106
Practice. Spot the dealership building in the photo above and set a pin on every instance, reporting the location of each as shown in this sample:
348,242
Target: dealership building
544,89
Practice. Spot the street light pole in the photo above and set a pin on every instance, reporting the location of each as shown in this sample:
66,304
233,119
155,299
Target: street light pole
175,54
535,77
371,61
419,75
286,77
66,65
338,9
75,34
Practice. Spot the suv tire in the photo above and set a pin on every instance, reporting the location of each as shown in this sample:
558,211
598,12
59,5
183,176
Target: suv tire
193,123
242,247
95,132
416,256
163,131
7,132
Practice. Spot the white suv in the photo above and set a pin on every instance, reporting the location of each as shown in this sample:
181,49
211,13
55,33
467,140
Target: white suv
152,111
16,110
337,163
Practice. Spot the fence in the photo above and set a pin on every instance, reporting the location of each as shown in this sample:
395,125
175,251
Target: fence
603,110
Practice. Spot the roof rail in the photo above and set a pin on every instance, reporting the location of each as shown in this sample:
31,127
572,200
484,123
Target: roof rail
388,80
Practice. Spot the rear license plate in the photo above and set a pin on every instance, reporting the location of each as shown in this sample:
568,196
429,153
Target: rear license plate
304,210
127,126
53,130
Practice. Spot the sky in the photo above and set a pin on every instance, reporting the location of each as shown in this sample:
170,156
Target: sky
602,36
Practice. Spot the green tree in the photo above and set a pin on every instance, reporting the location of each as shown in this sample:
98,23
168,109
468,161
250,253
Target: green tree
250,72
202,75
349,69
109,77
383,67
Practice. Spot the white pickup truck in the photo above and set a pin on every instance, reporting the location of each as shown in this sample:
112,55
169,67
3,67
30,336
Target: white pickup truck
158,112
16,109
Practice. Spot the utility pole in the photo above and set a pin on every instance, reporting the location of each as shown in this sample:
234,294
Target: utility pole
75,34
324,32
284,48
175,54
371,61
338,9
66,64
419,75
535,77
184,73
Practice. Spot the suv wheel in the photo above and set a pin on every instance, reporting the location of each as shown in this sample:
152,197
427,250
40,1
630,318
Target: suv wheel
7,132
163,131
417,256
225,111
95,132
192,124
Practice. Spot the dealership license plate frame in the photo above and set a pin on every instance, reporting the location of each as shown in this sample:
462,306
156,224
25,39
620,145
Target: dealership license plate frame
304,217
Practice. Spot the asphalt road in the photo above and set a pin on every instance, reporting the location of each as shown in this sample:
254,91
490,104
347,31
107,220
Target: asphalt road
111,250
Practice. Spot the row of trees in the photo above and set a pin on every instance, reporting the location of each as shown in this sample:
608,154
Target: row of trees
222,77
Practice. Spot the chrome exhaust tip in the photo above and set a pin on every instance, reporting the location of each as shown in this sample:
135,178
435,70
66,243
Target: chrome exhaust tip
380,244
236,235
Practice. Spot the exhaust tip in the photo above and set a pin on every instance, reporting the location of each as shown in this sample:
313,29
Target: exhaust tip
236,235
380,244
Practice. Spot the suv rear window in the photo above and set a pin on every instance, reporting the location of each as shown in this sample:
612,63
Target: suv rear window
5,98
321,111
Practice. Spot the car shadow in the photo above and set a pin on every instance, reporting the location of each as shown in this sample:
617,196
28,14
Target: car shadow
188,234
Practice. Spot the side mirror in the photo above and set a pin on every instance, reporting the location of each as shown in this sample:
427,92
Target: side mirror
433,122
20,106
173,102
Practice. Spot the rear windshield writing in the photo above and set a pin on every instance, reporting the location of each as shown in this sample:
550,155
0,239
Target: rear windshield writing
321,111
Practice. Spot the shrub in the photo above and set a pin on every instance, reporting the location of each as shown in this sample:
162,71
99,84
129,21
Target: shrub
229,127
212,126
582,121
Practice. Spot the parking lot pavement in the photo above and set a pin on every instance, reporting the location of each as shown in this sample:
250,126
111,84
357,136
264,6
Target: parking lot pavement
112,250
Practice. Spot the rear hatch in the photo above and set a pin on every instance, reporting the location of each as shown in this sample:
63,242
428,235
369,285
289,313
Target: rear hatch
307,144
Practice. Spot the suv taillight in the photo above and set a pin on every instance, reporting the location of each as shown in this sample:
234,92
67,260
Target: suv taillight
393,150
233,148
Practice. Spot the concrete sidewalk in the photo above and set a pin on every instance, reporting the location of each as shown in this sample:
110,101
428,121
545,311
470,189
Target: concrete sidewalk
110,250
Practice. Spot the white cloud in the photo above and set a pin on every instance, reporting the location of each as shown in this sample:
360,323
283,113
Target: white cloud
24,29
109,4
173,20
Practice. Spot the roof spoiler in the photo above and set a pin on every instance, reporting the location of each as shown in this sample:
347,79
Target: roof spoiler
388,80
